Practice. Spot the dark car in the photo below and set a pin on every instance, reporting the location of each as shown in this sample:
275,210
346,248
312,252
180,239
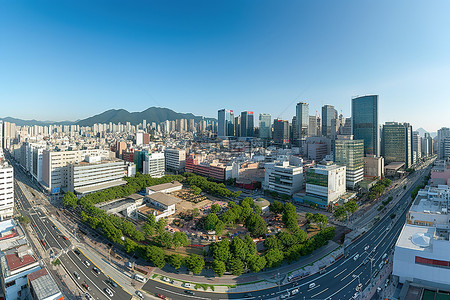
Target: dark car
77,252
96,270
190,293
248,295
111,282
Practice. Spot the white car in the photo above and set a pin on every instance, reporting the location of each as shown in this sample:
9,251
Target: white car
294,291
356,295
167,279
86,263
358,287
139,294
312,285
356,257
188,285
366,248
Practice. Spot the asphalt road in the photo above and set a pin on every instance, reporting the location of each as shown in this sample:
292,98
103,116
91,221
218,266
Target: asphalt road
53,243
366,256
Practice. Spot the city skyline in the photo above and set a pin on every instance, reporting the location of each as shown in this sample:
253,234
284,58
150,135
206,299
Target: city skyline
201,58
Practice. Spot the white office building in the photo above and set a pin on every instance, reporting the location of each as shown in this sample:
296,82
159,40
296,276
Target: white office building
326,183
94,174
283,178
175,160
154,164
6,190
422,251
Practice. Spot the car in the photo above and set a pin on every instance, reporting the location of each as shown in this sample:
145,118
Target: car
312,285
44,243
189,293
294,291
89,297
139,294
366,248
358,287
356,295
108,291
161,296
167,279
285,296
96,270
111,282
64,237
384,256
76,275
356,257
54,227
34,225
86,286
188,285
374,249
248,295
378,289
86,263
381,265
388,228
77,252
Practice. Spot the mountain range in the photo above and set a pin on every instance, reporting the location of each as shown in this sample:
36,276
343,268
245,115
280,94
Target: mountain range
422,132
152,114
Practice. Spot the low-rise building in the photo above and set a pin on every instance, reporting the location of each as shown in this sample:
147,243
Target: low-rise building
374,166
42,286
283,178
175,160
159,204
422,249
325,184
165,188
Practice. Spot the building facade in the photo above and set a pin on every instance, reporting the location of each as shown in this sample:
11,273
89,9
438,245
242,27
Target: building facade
154,164
302,122
350,153
280,132
283,178
247,124
397,143
365,123
328,114
6,190
225,124
265,125
325,184
175,160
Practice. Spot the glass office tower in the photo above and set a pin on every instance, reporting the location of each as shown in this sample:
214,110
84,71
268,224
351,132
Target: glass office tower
365,123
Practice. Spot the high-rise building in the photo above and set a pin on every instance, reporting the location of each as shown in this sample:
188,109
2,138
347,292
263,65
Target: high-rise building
265,123
365,123
328,114
443,134
175,159
225,123
7,190
280,132
237,126
313,126
302,120
350,153
417,147
397,143
154,164
247,124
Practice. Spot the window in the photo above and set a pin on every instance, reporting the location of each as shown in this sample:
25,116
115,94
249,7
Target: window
11,283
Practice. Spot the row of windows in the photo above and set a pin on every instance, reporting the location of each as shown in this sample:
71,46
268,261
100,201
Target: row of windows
433,262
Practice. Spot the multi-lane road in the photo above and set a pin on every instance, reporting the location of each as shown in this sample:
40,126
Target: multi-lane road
362,263
55,244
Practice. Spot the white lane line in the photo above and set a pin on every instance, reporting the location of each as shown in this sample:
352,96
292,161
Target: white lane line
340,273
338,291
314,288
349,274
319,293
184,295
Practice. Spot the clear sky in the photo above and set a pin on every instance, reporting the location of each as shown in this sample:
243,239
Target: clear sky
67,60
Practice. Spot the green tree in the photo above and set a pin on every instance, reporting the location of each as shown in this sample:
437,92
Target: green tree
180,239
195,212
156,256
256,263
272,242
274,257
219,267
221,250
220,226
160,225
236,266
276,207
195,263
24,219
151,220
70,200
130,245
175,260
250,246
210,222
340,213
215,208
148,230
164,239
351,206
321,220
238,248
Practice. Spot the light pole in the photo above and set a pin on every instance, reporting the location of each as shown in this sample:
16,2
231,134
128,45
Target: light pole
359,282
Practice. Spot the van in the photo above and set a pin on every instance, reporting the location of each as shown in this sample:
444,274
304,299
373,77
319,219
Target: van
139,278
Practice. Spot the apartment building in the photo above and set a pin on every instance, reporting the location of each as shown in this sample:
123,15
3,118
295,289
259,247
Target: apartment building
283,178
175,160
6,190
154,164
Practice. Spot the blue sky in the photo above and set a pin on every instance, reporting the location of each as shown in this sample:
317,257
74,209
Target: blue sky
67,60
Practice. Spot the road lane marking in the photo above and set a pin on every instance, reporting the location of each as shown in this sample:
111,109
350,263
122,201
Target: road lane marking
319,293
350,273
184,295
340,273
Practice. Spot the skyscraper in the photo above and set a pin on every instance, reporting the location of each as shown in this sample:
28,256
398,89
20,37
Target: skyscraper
225,119
350,153
442,135
265,121
365,123
247,124
328,114
302,121
280,132
397,143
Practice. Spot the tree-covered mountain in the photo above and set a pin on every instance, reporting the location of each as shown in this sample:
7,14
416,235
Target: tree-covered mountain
152,114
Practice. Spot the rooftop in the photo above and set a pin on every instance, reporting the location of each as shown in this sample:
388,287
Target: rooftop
394,166
416,237
164,198
43,284
15,262
94,188
164,186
